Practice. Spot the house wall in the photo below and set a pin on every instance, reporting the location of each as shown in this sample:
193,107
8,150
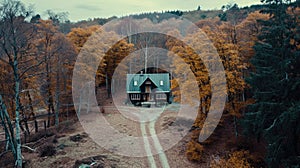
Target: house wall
136,98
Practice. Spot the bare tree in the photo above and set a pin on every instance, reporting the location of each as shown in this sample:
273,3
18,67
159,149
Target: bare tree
16,36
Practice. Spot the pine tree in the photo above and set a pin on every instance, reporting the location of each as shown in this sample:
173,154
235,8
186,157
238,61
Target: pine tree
274,116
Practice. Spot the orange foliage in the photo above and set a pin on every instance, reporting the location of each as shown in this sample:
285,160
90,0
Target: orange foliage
237,159
79,36
194,151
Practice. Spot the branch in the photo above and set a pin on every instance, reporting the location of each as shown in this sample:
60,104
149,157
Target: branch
5,50
31,67
27,147
28,61
274,122
35,143
32,75
3,153
3,60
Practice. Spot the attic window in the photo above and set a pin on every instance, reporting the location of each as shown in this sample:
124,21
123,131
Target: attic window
161,82
135,83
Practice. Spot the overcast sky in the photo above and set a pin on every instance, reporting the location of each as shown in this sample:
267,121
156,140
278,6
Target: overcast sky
81,10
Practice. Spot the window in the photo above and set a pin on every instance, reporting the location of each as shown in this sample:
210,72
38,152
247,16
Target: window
161,96
161,82
135,83
135,97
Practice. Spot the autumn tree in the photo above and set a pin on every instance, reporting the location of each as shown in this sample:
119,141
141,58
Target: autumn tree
231,43
79,36
6,87
127,27
57,53
224,37
196,63
112,60
234,40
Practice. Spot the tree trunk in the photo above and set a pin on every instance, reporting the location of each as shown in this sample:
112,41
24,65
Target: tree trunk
8,128
32,111
24,120
146,58
57,94
50,96
88,98
107,85
17,102
235,120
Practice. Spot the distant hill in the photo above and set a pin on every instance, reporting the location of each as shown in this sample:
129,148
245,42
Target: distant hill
194,16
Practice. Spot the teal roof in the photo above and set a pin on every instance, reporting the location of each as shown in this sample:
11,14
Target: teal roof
141,78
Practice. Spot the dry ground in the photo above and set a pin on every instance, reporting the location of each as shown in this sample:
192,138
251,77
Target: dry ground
73,147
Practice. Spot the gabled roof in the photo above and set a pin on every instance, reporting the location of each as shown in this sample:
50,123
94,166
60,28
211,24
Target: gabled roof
141,78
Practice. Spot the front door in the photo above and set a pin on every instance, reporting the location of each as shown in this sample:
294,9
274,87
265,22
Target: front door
148,89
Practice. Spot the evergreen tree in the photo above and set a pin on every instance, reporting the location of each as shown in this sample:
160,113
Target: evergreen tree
274,116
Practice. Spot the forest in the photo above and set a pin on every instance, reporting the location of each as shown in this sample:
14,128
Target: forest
258,46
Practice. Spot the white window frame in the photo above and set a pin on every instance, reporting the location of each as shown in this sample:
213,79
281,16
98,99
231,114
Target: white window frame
161,96
135,97
161,83
135,83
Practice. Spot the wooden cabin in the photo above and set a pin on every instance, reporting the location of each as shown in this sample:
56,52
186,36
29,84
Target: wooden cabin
148,88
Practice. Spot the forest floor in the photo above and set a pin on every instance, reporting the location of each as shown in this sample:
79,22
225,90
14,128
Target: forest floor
73,147
70,146
84,150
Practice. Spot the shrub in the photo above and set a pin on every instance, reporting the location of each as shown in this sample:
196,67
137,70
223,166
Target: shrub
47,150
194,151
237,159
